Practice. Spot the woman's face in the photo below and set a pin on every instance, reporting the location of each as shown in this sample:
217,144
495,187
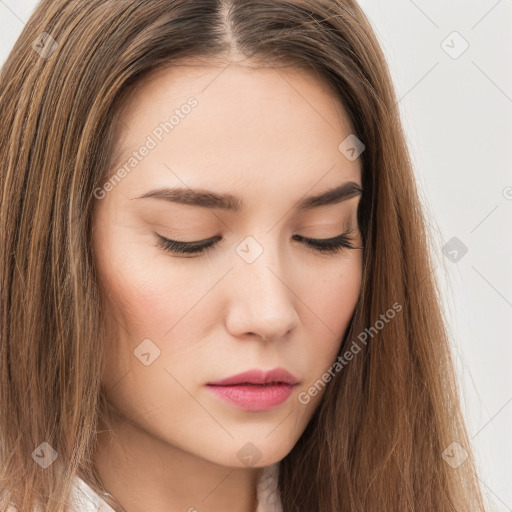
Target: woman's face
263,141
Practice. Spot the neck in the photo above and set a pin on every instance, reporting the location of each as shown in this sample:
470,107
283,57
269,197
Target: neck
143,473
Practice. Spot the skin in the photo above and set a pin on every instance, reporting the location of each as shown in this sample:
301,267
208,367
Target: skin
269,137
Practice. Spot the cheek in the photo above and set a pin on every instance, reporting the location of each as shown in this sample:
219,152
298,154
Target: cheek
334,295
140,304
343,293
139,288
331,301
153,299
131,288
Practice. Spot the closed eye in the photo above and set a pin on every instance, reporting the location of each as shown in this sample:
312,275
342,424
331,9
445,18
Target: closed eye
325,246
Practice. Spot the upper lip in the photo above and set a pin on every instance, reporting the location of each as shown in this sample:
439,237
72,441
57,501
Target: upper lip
257,376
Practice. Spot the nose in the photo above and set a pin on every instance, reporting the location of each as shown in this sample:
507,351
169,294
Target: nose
262,302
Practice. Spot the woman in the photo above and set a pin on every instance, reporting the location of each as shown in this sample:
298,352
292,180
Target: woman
217,292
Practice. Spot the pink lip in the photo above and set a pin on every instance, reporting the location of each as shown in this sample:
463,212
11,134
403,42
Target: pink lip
255,390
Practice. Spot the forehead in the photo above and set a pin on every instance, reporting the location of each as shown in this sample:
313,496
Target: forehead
237,90
249,127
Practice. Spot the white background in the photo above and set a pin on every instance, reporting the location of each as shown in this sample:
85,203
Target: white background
457,113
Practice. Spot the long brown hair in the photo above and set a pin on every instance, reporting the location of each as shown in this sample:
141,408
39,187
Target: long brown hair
377,439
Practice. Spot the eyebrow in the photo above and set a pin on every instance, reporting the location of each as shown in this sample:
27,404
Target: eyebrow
228,202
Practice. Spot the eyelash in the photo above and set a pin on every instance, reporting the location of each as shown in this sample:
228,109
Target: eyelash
323,246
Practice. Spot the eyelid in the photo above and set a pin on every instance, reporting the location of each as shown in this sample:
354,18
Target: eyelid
345,239
187,247
320,245
193,242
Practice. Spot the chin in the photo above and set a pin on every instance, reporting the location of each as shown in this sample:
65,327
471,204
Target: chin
248,454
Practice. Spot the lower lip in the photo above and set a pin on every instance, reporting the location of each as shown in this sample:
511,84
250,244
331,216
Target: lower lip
254,397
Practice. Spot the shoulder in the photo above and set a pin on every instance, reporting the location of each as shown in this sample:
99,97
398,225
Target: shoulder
85,499
5,505
82,498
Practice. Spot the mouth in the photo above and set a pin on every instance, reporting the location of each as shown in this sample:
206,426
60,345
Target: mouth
255,390
254,397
